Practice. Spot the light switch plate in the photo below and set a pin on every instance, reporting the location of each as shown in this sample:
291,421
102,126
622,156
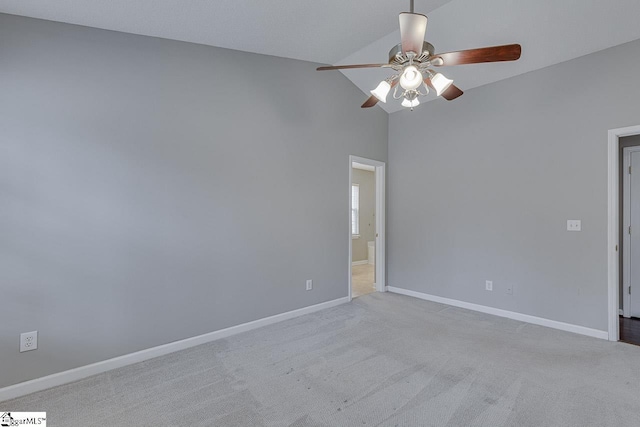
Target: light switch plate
574,225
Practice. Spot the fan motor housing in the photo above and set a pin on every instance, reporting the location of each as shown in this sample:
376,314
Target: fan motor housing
397,57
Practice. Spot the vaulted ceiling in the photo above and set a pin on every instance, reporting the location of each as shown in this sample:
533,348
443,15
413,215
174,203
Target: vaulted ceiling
319,31
338,31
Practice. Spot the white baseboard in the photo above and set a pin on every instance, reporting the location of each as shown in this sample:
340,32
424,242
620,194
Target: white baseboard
363,262
596,333
39,384
620,312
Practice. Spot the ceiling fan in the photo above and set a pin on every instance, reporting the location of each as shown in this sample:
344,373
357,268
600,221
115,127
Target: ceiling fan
412,59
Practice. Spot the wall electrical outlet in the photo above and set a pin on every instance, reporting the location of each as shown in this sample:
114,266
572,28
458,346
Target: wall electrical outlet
309,284
28,341
574,225
489,285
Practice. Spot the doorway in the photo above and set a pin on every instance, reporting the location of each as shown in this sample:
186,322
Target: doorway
630,238
366,226
615,230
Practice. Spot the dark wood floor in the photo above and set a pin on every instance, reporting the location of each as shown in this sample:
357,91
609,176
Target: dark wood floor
630,330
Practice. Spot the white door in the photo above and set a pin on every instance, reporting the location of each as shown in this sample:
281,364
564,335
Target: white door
631,230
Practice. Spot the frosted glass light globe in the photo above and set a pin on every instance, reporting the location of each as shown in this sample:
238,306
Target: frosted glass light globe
440,83
410,103
411,78
382,91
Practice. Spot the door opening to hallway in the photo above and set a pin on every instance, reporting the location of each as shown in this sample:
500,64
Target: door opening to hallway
630,238
363,229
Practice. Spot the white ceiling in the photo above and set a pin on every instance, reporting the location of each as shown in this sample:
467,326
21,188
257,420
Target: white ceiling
319,31
354,31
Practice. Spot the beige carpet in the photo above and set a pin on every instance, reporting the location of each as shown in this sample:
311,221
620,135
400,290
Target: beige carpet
362,279
382,360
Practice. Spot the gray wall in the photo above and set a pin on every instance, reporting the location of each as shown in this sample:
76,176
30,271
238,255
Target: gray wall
486,192
367,182
155,190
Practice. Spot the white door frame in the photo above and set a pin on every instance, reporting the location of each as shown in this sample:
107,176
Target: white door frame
380,169
626,217
613,240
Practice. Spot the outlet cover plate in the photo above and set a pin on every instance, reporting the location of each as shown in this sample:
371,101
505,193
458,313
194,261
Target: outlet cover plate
28,341
574,225
309,284
489,285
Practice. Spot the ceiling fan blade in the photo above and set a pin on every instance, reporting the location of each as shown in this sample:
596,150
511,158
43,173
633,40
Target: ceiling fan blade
450,94
508,52
372,100
344,67
413,27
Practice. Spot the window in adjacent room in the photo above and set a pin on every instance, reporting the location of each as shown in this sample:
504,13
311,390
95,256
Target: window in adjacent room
355,210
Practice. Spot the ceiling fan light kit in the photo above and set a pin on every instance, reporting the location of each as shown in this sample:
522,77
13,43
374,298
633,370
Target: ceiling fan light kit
440,83
411,78
411,61
381,91
410,104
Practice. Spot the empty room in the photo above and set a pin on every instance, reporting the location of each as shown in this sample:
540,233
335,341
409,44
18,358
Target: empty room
337,213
